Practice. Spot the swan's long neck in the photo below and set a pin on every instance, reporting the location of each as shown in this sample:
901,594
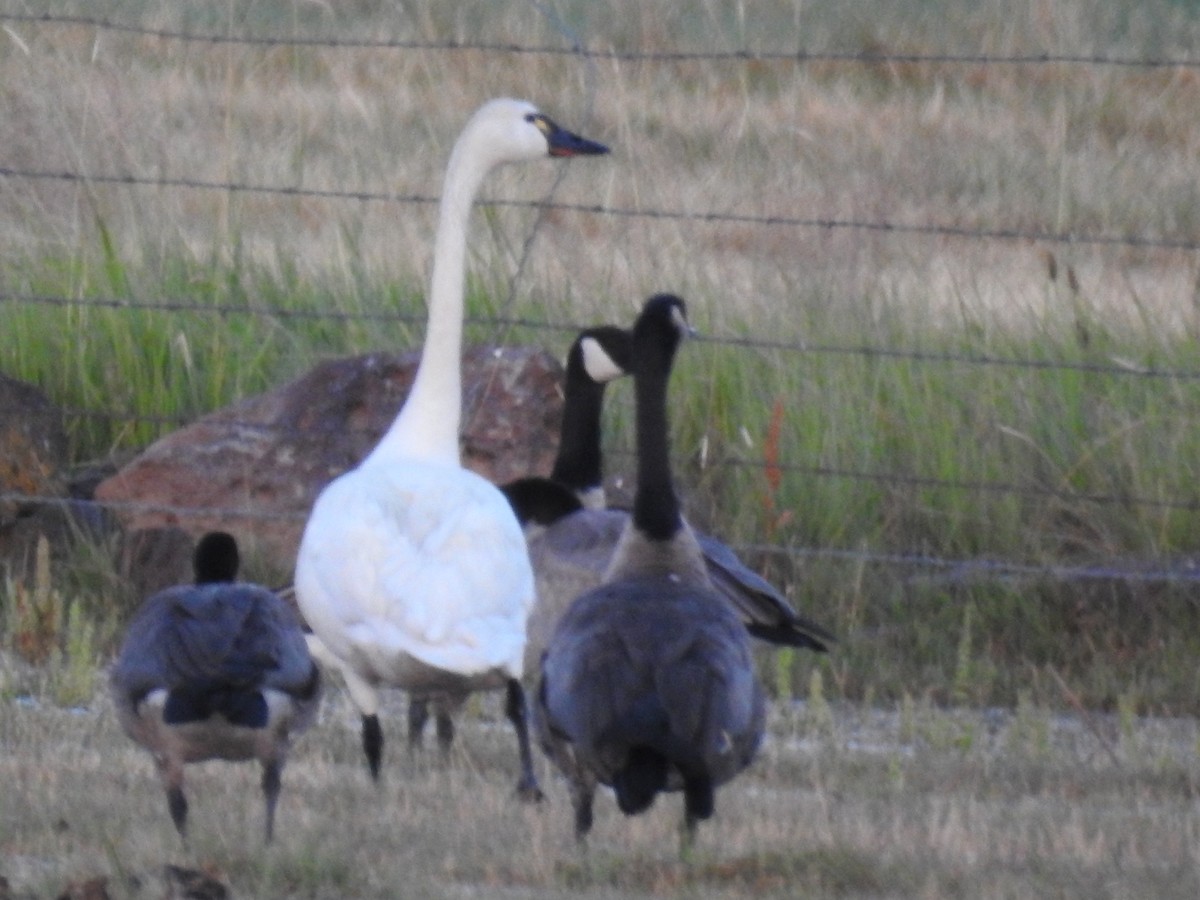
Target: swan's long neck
428,424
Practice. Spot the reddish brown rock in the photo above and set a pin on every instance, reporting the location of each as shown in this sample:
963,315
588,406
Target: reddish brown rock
33,445
254,468
33,461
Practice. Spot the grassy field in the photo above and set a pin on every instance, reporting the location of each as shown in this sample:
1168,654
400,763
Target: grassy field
845,801
862,396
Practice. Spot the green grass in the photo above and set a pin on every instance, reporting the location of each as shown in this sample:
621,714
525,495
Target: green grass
937,432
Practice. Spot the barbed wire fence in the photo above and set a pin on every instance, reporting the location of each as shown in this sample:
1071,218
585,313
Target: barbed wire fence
1179,571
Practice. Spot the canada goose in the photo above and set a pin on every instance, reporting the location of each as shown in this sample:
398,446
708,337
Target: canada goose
412,571
571,534
215,670
648,684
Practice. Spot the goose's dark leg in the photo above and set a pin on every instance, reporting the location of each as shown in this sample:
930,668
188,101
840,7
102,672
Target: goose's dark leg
372,742
698,804
272,769
445,730
178,805
171,773
514,708
698,797
418,715
582,794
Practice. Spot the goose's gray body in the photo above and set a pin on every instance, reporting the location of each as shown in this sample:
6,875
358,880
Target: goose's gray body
647,684
572,554
658,698
572,534
215,671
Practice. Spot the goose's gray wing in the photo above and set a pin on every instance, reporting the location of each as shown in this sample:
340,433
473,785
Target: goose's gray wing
240,635
569,558
765,611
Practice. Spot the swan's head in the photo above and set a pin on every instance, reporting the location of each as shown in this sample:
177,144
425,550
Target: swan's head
507,130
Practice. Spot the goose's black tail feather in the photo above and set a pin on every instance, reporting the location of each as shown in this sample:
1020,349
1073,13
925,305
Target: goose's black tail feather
642,778
240,706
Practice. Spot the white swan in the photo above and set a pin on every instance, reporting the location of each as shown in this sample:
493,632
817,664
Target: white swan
412,571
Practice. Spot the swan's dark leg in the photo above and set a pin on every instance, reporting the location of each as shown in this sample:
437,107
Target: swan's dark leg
372,742
178,805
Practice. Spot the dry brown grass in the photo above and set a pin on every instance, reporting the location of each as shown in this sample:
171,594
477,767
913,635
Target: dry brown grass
853,803
1030,147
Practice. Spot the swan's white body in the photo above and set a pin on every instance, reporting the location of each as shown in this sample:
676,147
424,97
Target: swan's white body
412,571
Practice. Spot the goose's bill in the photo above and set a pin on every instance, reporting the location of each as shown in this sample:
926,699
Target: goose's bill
567,143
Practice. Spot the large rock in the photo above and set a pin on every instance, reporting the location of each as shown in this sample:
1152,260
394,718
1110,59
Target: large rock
33,443
254,468
33,464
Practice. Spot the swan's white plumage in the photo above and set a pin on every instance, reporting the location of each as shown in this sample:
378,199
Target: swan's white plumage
412,571
391,580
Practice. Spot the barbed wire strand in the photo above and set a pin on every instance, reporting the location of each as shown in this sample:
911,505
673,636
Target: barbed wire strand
956,570
960,568
1121,368
634,56
930,229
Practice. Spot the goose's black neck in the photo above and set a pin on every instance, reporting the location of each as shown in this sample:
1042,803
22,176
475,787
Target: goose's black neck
656,511
216,558
578,463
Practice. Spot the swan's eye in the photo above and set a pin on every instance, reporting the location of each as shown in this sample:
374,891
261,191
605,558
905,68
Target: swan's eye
544,125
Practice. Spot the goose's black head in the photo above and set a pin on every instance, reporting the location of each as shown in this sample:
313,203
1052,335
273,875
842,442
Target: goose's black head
600,354
657,333
216,558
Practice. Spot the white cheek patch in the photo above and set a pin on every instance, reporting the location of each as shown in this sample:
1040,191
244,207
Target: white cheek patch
599,365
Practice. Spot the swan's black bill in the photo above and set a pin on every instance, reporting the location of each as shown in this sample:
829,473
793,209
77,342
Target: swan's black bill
567,143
